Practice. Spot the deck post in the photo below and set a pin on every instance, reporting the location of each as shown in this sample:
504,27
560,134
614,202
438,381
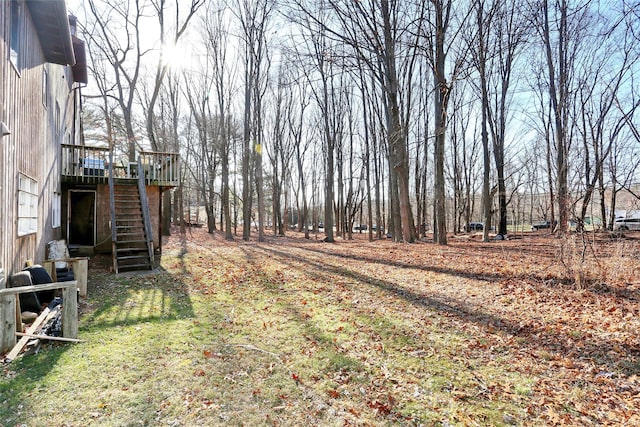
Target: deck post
70,312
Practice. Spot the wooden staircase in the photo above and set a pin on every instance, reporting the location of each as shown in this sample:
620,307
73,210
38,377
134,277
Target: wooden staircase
132,242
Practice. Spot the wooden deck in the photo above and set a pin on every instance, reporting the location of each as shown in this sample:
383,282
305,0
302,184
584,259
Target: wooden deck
90,165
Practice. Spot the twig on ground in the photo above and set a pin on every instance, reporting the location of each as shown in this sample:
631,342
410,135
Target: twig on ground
254,348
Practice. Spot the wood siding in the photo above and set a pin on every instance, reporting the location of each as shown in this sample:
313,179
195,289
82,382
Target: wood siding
37,128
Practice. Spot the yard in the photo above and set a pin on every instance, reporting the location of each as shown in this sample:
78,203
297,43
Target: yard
296,332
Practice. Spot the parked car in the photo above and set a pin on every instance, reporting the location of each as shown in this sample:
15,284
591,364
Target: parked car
626,224
360,227
476,226
541,225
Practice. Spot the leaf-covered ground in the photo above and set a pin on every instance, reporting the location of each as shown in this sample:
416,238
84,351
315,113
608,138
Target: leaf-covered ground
299,332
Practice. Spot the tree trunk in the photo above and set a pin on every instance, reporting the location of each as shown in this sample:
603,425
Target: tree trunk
441,99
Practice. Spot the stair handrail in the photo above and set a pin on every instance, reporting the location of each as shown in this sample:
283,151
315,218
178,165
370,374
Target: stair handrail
144,201
112,206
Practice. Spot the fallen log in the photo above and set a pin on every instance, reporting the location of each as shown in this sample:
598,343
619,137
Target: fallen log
47,337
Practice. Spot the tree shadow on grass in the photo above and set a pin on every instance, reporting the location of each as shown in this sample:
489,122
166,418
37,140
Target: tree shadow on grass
325,362
595,350
449,270
114,301
138,298
490,277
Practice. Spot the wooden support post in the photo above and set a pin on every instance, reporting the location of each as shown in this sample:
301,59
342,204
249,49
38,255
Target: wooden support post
80,266
50,267
7,321
18,311
70,312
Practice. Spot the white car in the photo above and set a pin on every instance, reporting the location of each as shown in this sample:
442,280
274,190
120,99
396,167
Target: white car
626,224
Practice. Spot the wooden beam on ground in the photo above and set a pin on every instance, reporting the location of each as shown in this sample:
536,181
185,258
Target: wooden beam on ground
30,330
47,337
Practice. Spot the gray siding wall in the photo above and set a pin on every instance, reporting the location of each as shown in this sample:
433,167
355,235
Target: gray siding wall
28,107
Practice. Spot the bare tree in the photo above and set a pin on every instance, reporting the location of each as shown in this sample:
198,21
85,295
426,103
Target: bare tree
439,41
206,153
176,29
560,38
373,33
501,32
113,28
319,76
603,109
223,86
253,17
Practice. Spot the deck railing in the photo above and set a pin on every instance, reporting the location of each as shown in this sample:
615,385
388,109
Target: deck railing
160,168
81,161
92,163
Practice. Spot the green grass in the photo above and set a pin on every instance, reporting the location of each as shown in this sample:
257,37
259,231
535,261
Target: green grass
256,338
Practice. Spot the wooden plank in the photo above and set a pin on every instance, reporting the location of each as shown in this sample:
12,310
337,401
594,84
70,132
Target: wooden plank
24,340
70,312
47,337
36,288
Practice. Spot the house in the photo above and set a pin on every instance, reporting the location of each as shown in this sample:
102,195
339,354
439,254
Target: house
51,185
39,109
114,205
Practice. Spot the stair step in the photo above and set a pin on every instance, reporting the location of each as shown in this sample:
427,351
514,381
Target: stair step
135,267
131,244
127,257
132,249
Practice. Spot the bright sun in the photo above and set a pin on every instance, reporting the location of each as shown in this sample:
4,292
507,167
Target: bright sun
176,56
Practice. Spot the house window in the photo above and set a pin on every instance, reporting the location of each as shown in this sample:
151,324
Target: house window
56,210
27,205
16,33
